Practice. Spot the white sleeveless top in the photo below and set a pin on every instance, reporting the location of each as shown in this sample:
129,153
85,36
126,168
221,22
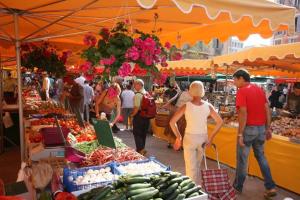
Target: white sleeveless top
196,118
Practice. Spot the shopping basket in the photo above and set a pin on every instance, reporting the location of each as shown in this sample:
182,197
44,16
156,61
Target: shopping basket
216,181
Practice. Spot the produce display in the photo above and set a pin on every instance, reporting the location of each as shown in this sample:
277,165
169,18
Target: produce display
94,176
89,147
287,127
165,186
105,155
150,167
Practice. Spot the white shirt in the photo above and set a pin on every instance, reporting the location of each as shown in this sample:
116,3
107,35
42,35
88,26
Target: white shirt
183,99
88,94
80,80
285,91
127,98
46,84
196,118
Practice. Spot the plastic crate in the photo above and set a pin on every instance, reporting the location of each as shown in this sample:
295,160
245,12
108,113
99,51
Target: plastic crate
71,186
164,167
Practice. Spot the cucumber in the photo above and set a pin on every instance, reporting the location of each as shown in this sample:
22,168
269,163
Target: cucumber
173,195
180,197
195,194
139,191
145,195
170,189
115,196
185,182
158,199
102,193
192,190
138,186
161,181
185,177
137,180
189,186
175,180
174,175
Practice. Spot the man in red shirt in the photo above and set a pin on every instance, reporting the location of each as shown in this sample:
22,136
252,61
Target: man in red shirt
254,128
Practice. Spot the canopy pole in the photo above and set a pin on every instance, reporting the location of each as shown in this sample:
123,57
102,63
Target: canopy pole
1,109
226,86
18,59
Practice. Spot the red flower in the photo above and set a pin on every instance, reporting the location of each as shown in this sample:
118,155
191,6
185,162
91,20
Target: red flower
168,45
108,61
105,33
90,40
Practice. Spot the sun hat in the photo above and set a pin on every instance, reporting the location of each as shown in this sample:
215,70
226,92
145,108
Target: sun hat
197,89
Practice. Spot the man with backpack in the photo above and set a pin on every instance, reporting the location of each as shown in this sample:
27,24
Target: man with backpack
144,109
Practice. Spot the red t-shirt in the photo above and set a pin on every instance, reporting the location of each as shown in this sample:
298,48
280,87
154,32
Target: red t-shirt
254,99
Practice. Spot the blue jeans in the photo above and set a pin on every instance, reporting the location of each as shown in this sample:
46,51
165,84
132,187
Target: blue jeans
253,136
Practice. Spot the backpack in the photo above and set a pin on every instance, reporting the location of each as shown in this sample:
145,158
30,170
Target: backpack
148,106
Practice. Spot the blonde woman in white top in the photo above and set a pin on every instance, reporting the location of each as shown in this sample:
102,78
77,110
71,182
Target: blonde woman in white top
196,113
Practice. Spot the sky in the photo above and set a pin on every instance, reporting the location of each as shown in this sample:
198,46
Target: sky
256,40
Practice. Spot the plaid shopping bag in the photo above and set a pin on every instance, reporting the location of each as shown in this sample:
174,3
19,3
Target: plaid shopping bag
216,181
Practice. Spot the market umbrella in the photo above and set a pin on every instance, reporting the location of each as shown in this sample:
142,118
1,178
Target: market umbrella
278,60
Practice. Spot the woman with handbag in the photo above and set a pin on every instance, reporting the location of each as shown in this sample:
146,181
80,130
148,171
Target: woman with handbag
196,113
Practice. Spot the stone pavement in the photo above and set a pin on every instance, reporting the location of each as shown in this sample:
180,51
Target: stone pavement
253,188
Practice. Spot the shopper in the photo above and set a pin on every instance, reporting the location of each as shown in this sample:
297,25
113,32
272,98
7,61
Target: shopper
45,87
196,113
88,93
127,105
293,101
172,94
75,97
80,80
9,89
140,124
275,98
254,127
107,102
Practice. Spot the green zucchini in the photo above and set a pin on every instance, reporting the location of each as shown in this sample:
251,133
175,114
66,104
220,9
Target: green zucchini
138,186
174,174
176,180
185,182
185,177
189,186
161,181
180,197
191,190
137,180
139,191
173,195
102,193
145,196
195,194
170,189
115,196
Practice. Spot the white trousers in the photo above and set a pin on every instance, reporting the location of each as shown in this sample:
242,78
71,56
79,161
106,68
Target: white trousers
193,154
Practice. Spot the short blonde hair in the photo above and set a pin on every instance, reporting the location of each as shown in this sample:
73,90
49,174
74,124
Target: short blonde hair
197,89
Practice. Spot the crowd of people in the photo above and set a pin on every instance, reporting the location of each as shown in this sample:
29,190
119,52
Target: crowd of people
189,114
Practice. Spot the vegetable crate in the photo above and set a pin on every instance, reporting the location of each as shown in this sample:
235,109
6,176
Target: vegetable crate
70,176
121,171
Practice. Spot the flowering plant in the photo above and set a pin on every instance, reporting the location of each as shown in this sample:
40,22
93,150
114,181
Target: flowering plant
44,57
117,49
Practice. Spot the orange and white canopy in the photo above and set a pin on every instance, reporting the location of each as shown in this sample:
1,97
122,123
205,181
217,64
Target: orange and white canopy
176,21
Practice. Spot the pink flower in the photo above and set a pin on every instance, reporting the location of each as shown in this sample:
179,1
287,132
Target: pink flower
148,61
177,56
85,66
168,45
89,77
132,54
108,61
124,70
89,40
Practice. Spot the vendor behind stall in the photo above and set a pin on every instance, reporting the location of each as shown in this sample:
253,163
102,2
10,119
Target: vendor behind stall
293,102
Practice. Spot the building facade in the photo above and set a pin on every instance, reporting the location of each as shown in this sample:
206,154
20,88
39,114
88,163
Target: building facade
281,37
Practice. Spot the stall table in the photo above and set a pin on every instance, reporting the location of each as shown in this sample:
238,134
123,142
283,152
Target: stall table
283,156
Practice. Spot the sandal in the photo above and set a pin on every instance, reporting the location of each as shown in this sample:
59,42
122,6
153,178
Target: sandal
270,193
